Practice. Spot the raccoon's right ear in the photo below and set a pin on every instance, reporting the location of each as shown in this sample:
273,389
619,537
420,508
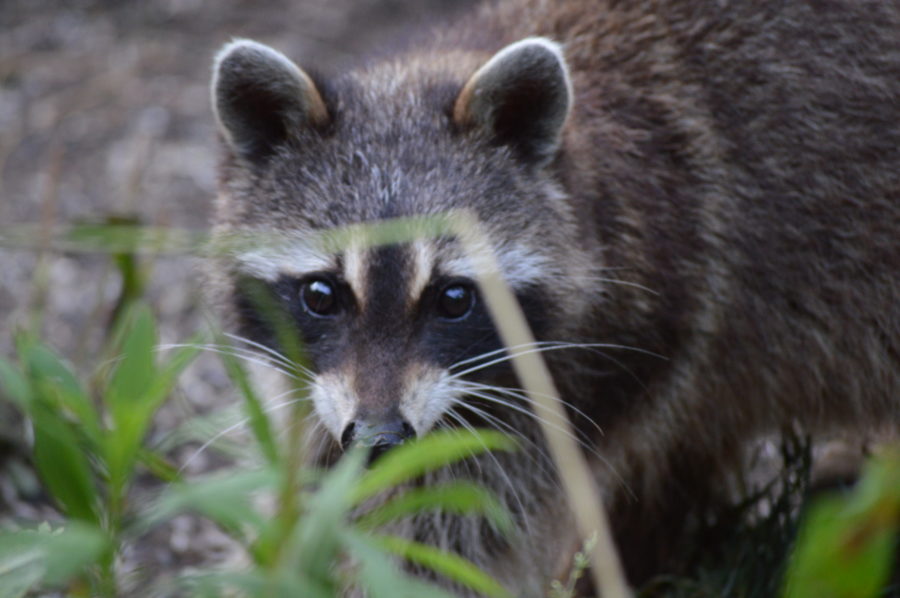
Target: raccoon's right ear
260,97
521,97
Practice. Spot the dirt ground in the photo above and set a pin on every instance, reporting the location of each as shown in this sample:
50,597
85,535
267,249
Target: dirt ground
104,111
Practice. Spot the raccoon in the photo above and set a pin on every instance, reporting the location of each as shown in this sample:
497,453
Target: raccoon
696,204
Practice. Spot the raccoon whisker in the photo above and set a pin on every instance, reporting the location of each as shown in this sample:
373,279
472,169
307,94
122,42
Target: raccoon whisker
625,283
485,395
245,354
289,370
545,346
521,394
535,348
525,411
461,421
273,353
574,345
315,434
502,426
470,468
468,348
215,347
593,348
257,345
269,408
488,354
579,436
500,469
560,344
271,405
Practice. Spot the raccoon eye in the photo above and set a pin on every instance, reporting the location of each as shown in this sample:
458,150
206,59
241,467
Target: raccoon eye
456,301
319,297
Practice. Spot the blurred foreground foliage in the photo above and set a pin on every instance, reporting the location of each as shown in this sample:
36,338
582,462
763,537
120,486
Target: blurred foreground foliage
781,542
847,544
90,442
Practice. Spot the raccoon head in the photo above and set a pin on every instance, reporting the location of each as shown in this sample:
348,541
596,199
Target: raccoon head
398,337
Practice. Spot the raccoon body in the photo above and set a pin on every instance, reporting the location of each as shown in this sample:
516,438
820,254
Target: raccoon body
696,203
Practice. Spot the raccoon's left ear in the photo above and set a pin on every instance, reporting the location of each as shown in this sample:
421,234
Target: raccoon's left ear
261,99
522,96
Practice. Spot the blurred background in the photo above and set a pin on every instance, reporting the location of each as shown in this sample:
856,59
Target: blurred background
104,111
104,114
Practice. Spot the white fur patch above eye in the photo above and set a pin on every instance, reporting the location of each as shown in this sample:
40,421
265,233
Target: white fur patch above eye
355,261
291,258
520,266
422,263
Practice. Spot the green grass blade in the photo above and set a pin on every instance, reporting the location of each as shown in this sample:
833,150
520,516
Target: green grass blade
59,555
165,378
61,389
448,564
457,497
137,389
276,318
134,373
136,369
315,545
223,498
62,464
259,422
14,385
254,583
21,568
379,575
159,466
437,449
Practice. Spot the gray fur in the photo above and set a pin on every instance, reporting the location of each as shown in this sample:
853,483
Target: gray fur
724,198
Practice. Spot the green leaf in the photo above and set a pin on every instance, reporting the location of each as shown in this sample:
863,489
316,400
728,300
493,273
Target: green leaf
62,464
136,369
845,546
379,574
28,558
50,395
137,389
164,381
133,375
457,497
315,545
259,423
257,582
436,450
159,466
448,564
14,385
223,498
59,388
20,571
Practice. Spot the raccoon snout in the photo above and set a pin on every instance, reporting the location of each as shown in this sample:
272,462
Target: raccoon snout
379,436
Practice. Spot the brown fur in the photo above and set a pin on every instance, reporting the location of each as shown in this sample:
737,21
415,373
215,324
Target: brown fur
735,166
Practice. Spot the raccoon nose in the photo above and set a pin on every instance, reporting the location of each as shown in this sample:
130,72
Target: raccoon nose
379,437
